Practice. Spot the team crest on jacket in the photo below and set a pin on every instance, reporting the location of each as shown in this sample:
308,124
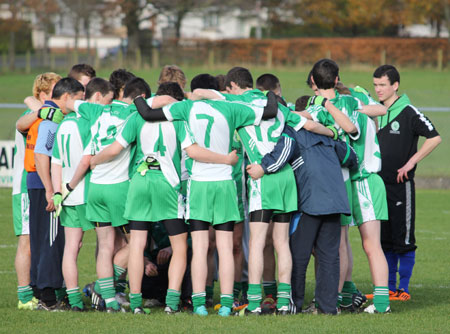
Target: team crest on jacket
395,126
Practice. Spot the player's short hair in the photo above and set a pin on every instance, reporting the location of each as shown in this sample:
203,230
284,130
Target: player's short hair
98,85
267,81
66,85
342,89
309,81
324,73
172,73
119,79
204,80
135,87
43,83
302,102
78,70
389,71
240,76
221,81
172,89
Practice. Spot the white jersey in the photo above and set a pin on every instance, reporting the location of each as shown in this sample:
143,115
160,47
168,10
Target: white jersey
106,122
72,138
213,124
19,173
163,141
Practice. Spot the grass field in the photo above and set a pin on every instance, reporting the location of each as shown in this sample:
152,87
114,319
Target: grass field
427,312
426,88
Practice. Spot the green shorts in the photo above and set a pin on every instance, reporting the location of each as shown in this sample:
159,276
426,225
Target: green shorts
369,200
348,220
214,202
75,217
106,203
21,215
276,192
151,198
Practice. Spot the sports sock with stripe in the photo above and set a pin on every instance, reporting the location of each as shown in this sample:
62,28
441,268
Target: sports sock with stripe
24,293
198,299
135,300
283,295
405,269
348,290
75,298
173,298
381,298
108,292
254,295
226,300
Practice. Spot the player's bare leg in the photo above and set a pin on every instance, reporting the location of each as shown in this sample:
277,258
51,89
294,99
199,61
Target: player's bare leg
72,246
224,241
370,236
211,267
138,240
258,232
199,271
284,260
105,271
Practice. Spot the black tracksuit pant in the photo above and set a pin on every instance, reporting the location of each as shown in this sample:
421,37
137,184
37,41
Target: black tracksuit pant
323,233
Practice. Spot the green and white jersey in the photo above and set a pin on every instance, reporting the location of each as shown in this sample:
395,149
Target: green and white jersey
213,124
105,122
163,141
72,138
366,148
261,139
19,173
348,104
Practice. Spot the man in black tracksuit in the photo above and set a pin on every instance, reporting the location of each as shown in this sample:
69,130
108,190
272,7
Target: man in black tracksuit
316,161
398,135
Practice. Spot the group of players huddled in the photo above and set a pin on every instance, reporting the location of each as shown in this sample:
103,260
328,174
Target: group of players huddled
168,179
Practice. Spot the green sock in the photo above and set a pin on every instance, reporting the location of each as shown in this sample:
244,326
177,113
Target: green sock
254,296
97,287
237,289
349,287
346,298
210,291
25,293
381,298
339,300
135,300
173,298
270,288
198,299
108,292
226,300
75,298
60,293
283,295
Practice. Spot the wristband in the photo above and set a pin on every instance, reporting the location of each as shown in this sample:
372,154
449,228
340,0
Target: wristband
68,187
334,130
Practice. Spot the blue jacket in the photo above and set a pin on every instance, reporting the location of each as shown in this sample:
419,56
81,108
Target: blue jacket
316,161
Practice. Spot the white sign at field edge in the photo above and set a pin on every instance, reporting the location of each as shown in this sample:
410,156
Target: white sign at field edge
6,163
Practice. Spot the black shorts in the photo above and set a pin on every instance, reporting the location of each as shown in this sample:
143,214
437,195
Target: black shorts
200,225
266,216
172,226
397,233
